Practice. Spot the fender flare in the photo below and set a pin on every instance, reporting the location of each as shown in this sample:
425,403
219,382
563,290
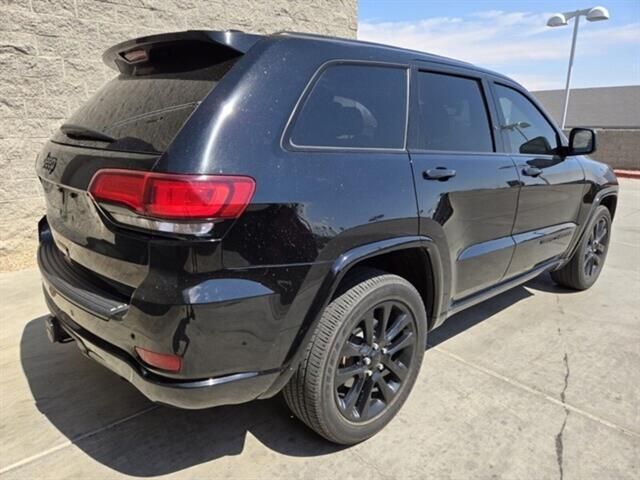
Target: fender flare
340,267
597,201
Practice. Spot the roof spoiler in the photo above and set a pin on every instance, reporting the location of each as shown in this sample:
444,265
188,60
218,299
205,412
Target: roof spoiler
125,56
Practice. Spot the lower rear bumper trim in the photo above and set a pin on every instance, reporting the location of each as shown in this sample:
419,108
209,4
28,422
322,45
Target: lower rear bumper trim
187,394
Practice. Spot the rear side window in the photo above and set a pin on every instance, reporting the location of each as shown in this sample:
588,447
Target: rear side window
354,106
452,114
525,129
144,112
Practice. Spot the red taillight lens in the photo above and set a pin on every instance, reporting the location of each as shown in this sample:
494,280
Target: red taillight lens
163,361
169,196
123,188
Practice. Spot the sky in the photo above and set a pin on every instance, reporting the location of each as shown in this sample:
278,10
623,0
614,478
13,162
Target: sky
511,37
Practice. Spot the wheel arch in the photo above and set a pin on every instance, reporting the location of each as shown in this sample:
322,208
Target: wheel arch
611,202
607,197
413,264
415,258
377,255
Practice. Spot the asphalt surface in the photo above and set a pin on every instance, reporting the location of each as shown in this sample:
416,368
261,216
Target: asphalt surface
539,382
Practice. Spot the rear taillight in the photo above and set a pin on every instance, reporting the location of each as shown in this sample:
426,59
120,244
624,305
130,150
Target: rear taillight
159,199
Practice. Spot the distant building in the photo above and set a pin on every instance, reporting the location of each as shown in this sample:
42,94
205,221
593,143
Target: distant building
602,107
613,111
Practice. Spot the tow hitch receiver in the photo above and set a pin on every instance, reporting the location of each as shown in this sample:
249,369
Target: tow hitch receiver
55,332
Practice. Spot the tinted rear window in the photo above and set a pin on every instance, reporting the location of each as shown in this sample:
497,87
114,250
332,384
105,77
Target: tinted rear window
452,114
144,113
354,106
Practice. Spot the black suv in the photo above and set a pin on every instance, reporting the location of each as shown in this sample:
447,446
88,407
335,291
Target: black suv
234,215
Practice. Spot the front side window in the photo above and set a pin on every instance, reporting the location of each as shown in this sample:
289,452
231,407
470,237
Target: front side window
524,128
452,114
354,106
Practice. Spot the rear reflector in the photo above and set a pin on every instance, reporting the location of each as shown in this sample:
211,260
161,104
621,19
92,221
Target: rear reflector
163,361
177,197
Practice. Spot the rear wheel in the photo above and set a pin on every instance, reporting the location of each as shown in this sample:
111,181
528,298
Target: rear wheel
362,360
585,266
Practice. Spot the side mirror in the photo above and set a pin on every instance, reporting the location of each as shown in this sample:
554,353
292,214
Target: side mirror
582,141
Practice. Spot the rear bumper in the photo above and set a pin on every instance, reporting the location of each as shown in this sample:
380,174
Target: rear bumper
224,361
181,393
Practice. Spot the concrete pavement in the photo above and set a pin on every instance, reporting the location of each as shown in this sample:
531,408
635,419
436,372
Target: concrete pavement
537,383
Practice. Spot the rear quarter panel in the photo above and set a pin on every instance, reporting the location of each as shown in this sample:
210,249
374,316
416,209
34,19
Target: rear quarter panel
309,206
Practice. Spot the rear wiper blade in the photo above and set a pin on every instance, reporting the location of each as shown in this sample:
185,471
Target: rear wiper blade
83,133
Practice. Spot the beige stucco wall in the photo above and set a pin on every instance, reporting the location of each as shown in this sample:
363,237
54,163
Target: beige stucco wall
50,63
620,148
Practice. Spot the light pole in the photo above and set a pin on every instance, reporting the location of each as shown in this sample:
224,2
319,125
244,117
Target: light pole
593,14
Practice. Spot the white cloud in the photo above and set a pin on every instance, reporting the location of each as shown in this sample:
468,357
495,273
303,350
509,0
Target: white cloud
535,82
500,40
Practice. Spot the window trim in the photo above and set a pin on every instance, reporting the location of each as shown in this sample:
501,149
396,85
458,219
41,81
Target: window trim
484,93
287,143
528,97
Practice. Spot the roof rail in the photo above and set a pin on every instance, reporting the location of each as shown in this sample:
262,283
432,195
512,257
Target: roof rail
351,41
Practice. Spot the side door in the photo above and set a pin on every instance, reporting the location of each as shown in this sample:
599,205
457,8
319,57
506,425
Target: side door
467,191
552,186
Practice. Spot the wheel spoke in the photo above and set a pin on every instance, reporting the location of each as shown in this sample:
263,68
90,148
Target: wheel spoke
350,349
353,394
385,389
401,322
362,406
346,373
397,368
587,264
369,323
602,234
592,264
405,341
384,321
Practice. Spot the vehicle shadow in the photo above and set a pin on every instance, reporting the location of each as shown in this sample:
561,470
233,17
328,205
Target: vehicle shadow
474,315
87,404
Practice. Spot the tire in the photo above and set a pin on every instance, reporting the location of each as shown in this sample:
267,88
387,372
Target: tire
584,268
350,332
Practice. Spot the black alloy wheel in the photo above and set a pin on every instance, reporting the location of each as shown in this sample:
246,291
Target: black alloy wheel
363,359
584,267
374,361
596,247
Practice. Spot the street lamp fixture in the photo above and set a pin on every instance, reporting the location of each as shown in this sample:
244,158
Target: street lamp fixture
594,14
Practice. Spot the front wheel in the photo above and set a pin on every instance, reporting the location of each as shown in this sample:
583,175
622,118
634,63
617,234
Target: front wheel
363,359
585,266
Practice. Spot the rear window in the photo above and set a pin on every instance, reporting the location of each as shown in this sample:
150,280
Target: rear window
354,106
142,113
